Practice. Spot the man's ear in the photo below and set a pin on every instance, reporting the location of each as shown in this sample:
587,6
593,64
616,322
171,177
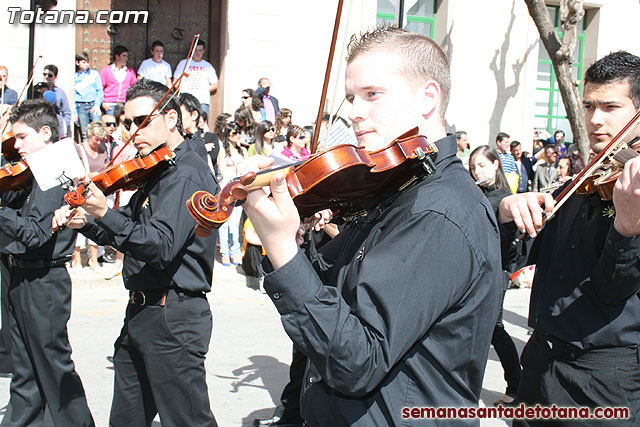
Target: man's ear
172,118
429,95
45,132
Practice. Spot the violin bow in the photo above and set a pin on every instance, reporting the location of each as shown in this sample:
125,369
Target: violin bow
588,170
327,75
597,161
172,91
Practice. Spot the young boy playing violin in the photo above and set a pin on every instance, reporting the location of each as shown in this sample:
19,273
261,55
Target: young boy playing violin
397,311
40,289
585,307
159,356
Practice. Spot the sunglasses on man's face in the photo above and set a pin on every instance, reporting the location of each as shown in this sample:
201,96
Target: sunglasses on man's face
110,124
138,121
48,74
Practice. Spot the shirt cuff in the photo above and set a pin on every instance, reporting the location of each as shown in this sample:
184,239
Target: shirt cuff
293,284
113,221
620,247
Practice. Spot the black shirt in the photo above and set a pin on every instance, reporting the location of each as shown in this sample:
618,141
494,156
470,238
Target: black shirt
156,232
587,277
397,310
507,250
25,224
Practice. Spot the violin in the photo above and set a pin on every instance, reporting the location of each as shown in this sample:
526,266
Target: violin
9,151
604,179
601,174
130,174
14,176
127,175
345,178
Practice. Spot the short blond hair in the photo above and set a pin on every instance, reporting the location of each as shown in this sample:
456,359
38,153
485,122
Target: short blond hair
96,129
421,58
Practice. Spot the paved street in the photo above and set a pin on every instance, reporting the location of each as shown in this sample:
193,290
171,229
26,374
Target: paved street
247,364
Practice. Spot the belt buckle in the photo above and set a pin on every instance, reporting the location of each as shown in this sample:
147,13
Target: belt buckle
132,298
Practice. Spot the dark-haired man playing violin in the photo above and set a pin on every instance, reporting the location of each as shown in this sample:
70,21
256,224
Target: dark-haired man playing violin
39,289
159,356
397,311
585,306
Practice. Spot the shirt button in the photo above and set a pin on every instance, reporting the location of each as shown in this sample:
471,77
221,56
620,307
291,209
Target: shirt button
561,277
610,242
573,246
583,215
276,295
620,250
312,380
550,308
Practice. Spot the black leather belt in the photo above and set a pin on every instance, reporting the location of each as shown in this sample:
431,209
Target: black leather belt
145,298
37,263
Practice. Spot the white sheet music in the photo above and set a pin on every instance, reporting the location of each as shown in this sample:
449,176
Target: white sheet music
51,162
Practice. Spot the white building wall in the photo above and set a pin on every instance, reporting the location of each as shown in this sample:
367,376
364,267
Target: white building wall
55,42
288,41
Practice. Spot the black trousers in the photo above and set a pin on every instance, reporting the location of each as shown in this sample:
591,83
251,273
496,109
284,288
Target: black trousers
43,372
159,364
289,408
507,353
563,375
5,330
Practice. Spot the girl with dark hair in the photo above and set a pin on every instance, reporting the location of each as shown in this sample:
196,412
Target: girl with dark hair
254,103
263,143
283,121
485,169
244,120
230,158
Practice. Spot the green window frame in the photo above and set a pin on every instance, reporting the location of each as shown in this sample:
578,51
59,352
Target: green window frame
429,20
552,115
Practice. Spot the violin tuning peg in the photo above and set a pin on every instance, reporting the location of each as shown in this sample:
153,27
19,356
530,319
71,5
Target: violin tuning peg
240,191
248,178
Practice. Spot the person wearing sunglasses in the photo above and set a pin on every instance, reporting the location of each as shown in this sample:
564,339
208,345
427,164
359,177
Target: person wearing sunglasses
263,142
254,103
160,354
296,148
50,74
230,161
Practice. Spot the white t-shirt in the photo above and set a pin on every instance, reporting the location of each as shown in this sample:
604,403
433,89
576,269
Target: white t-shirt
158,72
201,75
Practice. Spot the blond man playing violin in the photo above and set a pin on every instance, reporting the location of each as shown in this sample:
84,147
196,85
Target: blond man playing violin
159,356
384,310
584,307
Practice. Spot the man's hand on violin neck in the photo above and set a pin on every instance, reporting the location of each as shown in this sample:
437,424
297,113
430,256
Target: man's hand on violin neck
525,210
626,198
95,202
275,218
68,217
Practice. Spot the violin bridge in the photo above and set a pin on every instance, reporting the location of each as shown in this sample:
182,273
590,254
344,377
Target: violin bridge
65,182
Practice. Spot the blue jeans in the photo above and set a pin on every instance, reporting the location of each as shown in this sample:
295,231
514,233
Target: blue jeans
85,116
231,227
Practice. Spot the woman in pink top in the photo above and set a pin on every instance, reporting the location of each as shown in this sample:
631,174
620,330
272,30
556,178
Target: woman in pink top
117,78
296,148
